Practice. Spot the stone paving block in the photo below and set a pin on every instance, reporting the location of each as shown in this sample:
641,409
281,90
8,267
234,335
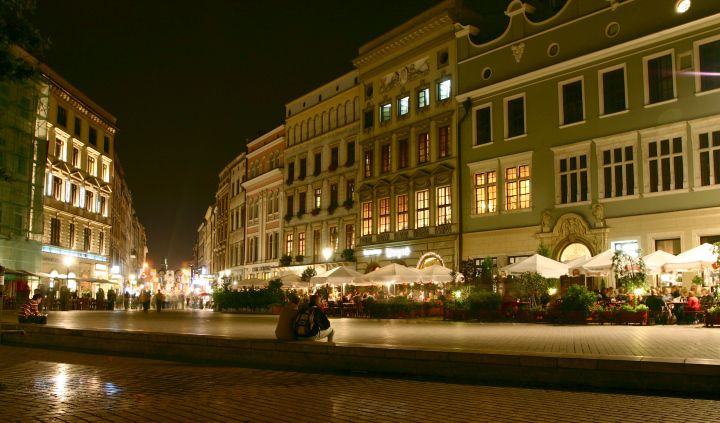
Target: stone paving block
466,357
400,353
263,345
577,363
288,346
196,340
319,347
619,363
431,355
240,343
501,359
538,361
218,342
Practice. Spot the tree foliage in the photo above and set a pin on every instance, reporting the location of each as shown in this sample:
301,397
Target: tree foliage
17,29
532,286
308,273
630,272
544,250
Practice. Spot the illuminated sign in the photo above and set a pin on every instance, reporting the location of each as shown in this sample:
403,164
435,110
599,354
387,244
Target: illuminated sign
372,252
389,252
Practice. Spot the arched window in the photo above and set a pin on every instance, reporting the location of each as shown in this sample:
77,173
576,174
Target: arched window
270,204
341,115
277,201
325,126
303,135
333,118
311,128
348,112
318,125
257,207
296,134
291,133
357,109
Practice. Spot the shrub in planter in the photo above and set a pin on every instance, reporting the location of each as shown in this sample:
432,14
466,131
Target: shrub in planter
315,212
332,207
288,217
332,167
629,314
299,258
712,316
348,254
308,273
348,204
578,298
289,181
285,260
300,214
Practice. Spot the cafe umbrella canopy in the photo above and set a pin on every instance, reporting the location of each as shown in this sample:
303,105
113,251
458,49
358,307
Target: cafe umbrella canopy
437,273
699,258
394,272
338,275
655,261
543,266
600,265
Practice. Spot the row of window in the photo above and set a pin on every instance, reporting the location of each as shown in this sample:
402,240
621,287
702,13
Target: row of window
254,206
659,73
76,195
403,153
62,120
401,212
317,196
402,105
317,164
60,151
87,245
260,166
272,247
327,121
333,242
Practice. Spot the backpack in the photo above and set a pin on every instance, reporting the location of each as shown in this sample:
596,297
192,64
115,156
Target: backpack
304,322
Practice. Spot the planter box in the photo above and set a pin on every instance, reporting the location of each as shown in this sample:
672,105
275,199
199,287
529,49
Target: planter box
577,317
434,311
276,309
636,317
526,316
541,316
712,321
484,315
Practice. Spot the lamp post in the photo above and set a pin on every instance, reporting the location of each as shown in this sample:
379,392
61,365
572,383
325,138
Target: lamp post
327,253
68,261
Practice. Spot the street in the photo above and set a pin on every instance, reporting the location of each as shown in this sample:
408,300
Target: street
687,341
75,387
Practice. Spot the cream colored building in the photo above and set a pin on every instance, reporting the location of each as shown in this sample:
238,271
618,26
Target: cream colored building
236,220
321,166
79,190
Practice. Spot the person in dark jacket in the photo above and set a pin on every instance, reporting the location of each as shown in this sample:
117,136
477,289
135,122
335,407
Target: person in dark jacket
322,327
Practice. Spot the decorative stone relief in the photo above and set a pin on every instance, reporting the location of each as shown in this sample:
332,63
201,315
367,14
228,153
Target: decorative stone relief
405,74
518,50
545,225
599,214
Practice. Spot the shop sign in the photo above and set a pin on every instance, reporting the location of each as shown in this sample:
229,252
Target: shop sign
389,252
367,253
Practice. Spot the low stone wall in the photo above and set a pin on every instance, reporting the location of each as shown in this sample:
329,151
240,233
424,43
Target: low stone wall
548,369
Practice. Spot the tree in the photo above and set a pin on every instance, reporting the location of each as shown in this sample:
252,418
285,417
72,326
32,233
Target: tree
544,250
308,273
532,286
630,272
17,29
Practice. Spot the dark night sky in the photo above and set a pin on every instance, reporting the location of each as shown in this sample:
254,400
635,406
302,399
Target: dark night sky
189,81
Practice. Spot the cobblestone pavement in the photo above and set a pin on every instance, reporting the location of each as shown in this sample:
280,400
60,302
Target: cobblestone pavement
686,341
74,387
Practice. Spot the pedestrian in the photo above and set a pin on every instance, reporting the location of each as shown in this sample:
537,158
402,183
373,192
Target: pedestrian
284,330
145,300
182,301
311,323
111,296
126,300
29,311
159,300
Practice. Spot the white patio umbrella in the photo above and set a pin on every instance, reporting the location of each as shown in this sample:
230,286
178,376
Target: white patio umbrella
575,266
699,258
600,265
253,281
342,274
437,273
395,273
543,266
656,260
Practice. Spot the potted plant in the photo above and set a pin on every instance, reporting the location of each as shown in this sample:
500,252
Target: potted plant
289,181
629,314
332,207
434,308
483,305
299,258
697,280
712,316
288,217
285,260
300,214
348,204
332,167
315,212
308,273
348,254
301,177
577,302
316,173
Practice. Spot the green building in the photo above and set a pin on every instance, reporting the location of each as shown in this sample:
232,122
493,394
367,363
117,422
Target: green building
587,125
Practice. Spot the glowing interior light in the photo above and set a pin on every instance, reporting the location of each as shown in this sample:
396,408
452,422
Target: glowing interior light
682,6
458,294
553,291
638,291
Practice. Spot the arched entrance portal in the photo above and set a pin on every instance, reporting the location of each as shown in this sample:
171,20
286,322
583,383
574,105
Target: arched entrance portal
573,251
430,259
371,267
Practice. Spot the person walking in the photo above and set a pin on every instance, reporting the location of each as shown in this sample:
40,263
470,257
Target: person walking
321,325
145,300
182,301
111,296
126,300
159,301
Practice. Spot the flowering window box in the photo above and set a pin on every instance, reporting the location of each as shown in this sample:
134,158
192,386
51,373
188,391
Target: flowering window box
332,168
289,181
711,320
635,317
315,212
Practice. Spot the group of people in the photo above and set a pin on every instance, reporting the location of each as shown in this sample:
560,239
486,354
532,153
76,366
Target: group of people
690,301
304,323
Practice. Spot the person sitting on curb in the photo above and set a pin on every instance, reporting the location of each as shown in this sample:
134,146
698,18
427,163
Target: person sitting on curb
29,311
284,330
320,326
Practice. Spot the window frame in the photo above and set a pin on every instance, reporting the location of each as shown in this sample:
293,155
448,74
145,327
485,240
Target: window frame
366,216
560,153
426,90
424,210
439,89
696,63
646,82
506,101
385,112
399,105
561,101
659,134
426,141
628,139
386,158
475,123
443,207
447,143
601,90
697,128
384,215
402,214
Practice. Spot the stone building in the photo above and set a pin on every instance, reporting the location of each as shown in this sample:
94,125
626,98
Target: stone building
321,166
236,220
588,126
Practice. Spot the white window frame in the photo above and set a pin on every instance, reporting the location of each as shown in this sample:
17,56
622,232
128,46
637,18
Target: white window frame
601,90
566,152
427,97
646,86
439,89
657,134
561,102
474,128
697,127
696,63
407,105
506,100
506,162
380,112
484,166
616,141
438,205
418,210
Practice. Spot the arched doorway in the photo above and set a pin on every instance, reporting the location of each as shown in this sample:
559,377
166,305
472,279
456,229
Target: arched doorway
573,251
371,267
430,259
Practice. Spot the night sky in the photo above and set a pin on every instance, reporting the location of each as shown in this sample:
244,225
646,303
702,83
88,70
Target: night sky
190,81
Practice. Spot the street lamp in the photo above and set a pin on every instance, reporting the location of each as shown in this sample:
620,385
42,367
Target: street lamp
327,253
682,6
68,261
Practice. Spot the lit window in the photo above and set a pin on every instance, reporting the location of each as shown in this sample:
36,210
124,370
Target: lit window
423,209
385,112
301,243
485,192
444,141
334,238
444,90
423,98
367,218
517,187
91,166
402,212
423,147
403,106
318,198
386,157
288,244
368,164
384,216
444,215
350,236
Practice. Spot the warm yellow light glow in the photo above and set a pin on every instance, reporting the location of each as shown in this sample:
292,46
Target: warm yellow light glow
552,291
458,294
682,6
638,291
67,260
